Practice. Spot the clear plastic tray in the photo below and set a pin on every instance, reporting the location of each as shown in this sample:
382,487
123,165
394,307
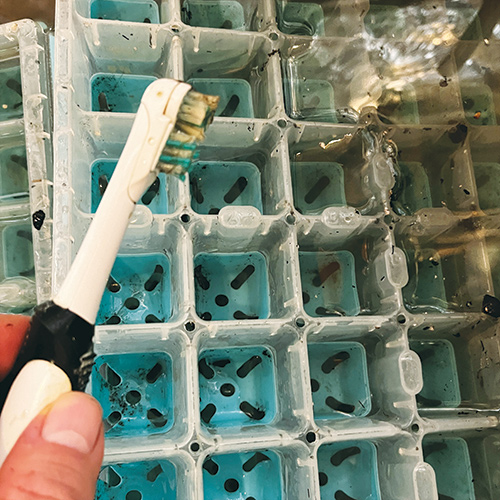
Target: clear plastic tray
25,167
302,316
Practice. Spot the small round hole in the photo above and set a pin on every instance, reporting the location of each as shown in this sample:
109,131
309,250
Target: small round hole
273,36
185,218
290,219
402,319
300,322
231,485
190,326
282,123
194,447
388,219
415,427
175,28
133,397
132,303
227,390
133,495
311,437
221,300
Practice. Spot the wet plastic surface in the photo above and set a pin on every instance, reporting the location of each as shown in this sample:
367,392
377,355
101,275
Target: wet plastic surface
342,218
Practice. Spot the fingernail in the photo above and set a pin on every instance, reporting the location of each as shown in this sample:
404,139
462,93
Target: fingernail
73,421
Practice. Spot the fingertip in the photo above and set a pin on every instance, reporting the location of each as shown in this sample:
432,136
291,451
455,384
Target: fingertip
13,328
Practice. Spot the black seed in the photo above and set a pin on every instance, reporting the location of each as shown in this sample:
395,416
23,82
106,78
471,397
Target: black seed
208,412
333,361
305,297
15,86
314,385
340,495
325,273
200,278
236,189
151,318
132,303
231,106
221,363
427,402
103,184
153,474
491,306
109,375
153,190
112,285
242,315
341,455
113,320
205,370
252,462
231,485
337,405
213,211
211,467
103,103
156,418
154,279
248,366
227,390
155,373
196,191
242,277
321,184
38,218
323,479
221,300
251,411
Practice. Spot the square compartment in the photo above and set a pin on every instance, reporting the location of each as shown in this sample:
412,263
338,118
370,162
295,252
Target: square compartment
398,105
130,11
11,99
237,387
231,286
439,371
146,480
488,185
136,393
450,459
415,191
217,184
348,470
339,380
478,104
235,95
241,72
138,291
14,182
252,474
17,243
115,93
300,18
155,197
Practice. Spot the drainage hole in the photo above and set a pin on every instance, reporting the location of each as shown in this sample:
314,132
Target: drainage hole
133,397
311,437
231,485
227,390
132,303
195,447
415,427
300,322
185,218
133,495
189,326
221,300
402,319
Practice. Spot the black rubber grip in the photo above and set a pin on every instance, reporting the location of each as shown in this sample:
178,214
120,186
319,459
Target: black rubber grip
61,337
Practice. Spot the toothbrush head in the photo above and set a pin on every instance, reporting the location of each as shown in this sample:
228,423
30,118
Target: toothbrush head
195,115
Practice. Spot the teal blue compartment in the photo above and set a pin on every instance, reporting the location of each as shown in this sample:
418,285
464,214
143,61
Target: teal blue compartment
439,370
311,100
316,186
449,457
14,180
223,14
235,95
237,387
118,93
17,241
138,291
132,11
329,283
339,380
11,95
239,476
412,191
147,480
488,185
155,197
479,107
217,184
300,18
425,290
135,392
348,470
231,286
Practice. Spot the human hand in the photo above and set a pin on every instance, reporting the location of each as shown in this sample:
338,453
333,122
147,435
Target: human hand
59,455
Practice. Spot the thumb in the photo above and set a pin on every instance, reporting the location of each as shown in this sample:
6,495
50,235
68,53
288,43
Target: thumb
59,454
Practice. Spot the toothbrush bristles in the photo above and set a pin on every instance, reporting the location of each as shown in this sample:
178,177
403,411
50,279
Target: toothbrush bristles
195,115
